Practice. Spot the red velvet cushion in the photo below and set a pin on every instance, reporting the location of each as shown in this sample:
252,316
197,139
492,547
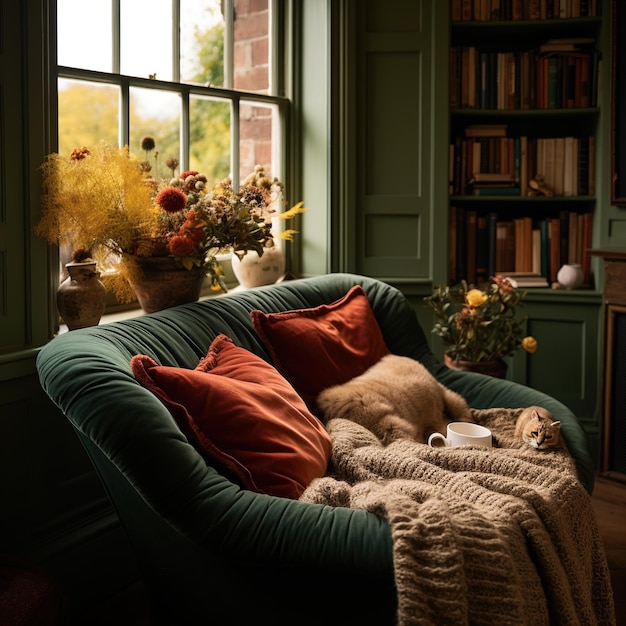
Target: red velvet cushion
238,411
320,347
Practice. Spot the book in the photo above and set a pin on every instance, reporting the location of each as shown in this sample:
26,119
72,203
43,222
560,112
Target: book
495,190
491,177
565,44
452,236
564,230
525,279
461,243
492,225
505,246
535,246
544,230
555,247
470,229
482,249
586,246
486,130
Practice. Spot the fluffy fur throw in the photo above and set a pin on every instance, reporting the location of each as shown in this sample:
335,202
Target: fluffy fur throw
481,536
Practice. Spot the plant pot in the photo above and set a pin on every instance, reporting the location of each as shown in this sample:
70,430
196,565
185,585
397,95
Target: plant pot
496,368
253,270
81,297
163,282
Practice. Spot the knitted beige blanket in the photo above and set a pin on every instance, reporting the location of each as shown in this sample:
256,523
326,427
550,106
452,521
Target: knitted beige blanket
500,536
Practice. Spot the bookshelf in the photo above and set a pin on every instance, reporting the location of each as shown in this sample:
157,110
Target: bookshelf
524,115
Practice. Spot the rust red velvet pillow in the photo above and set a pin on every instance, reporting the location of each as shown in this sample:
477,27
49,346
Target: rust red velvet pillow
239,412
323,346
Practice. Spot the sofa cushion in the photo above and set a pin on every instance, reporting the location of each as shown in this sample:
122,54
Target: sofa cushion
323,346
239,412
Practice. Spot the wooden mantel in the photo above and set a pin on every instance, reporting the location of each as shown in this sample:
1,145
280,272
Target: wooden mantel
612,254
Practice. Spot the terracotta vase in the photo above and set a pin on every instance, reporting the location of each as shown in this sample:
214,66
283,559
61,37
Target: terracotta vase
81,297
253,270
163,282
496,368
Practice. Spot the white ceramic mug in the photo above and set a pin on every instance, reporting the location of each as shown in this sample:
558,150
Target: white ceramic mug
462,434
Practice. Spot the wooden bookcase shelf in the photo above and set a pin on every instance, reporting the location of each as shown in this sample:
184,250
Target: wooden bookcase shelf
522,112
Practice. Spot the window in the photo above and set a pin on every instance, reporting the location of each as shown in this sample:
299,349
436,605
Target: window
199,76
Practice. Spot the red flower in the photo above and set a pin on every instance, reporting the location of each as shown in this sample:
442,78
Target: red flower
187,173
171,199
182,246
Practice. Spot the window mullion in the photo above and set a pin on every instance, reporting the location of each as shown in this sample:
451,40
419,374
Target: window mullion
116,36
273,49
234,141
229,44
185,130
124,121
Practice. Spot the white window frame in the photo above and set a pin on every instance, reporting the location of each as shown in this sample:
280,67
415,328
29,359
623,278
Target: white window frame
235,98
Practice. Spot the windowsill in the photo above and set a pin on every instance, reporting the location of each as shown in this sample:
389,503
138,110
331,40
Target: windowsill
130,313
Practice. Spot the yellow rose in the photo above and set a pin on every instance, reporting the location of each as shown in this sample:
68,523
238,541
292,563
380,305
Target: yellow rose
529,344
475,298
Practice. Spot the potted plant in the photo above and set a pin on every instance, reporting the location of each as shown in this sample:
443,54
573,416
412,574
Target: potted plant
139,228
479,327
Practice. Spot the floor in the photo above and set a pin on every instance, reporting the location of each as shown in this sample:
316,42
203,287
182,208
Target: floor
609,501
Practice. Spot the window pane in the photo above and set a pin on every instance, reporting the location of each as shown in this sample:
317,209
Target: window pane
82,46
251,46
156,114
146,38
210,137
88,113
257,139
202,42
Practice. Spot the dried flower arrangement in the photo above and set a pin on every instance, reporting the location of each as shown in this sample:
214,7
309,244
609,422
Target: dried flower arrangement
106,201
480,325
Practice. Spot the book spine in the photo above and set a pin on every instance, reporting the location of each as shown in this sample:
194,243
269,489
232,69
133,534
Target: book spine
492,226
482,249
470,263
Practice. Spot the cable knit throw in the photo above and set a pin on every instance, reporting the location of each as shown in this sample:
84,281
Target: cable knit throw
498,536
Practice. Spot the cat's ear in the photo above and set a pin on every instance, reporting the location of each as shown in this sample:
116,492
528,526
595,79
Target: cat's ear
556,424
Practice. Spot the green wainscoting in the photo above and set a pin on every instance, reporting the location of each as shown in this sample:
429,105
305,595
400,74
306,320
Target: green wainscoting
566,365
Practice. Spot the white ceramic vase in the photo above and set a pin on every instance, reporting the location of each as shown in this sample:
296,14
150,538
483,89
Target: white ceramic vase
253,270
570,276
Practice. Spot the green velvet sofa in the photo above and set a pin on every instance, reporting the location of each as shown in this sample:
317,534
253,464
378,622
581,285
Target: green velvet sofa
211,552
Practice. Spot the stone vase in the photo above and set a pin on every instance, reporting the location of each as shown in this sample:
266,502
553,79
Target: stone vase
253,270
496,368
81,297
162,282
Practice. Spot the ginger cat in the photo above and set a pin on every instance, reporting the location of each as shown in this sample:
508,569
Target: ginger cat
396,397
536,427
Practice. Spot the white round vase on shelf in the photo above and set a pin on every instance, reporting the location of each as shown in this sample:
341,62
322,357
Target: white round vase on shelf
570,276
253,270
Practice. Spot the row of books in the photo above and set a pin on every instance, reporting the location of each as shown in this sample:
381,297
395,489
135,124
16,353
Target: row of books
501,165
529,79
482,244
487,10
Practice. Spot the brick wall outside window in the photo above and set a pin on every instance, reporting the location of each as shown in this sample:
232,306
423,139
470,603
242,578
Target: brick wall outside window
251,73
